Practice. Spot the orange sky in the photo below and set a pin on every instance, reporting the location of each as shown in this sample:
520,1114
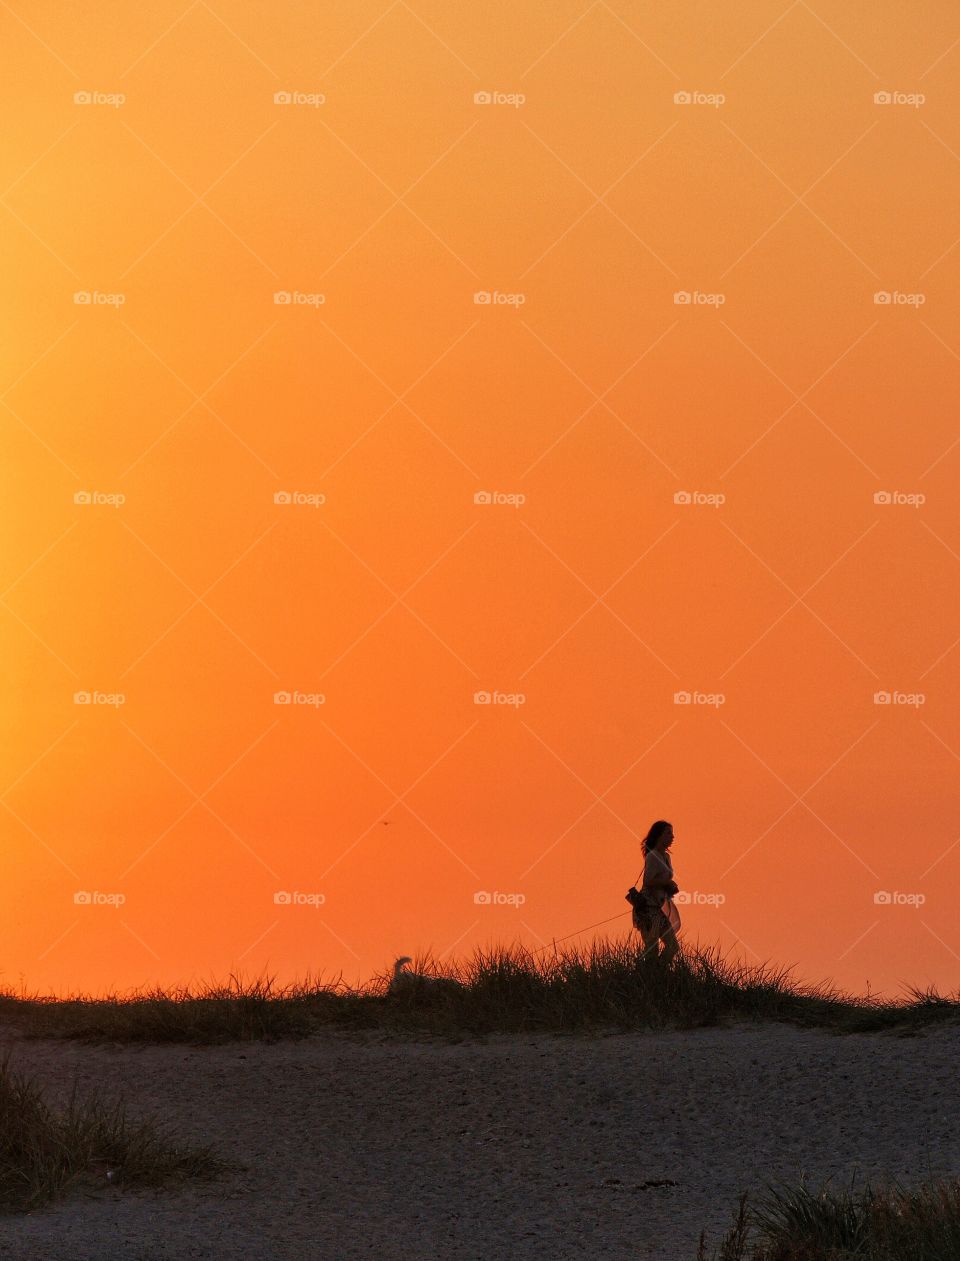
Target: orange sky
182,397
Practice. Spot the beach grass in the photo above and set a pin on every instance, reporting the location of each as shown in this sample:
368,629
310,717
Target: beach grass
44,1150
889,1223
606,986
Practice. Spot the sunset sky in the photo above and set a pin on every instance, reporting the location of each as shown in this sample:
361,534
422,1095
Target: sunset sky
251,390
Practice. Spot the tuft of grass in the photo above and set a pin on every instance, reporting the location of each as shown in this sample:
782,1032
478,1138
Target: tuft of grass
890,1223
44,1150
608,985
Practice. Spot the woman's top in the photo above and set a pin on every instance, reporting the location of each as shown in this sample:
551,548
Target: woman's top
657,871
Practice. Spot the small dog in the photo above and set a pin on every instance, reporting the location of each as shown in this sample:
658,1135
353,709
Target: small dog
404,981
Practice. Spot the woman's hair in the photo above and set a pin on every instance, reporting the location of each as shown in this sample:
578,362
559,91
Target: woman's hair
656,831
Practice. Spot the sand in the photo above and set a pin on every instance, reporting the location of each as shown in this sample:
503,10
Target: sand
619,1147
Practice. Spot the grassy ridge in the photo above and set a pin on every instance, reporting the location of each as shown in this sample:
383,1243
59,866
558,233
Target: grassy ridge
605,986
891,1223
43,1151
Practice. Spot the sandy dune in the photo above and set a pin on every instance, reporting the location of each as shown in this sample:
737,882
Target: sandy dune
509,1148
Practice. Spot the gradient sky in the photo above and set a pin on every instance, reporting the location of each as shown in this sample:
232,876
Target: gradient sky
147,841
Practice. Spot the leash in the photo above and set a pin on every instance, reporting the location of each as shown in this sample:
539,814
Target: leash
557,940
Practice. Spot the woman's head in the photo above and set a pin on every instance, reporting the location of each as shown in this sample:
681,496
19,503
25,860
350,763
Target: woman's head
659,836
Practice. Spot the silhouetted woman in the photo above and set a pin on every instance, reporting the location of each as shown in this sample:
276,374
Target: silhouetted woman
654,913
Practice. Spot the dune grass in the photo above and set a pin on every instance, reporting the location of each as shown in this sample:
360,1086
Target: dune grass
44,1150
890,1223
605,986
